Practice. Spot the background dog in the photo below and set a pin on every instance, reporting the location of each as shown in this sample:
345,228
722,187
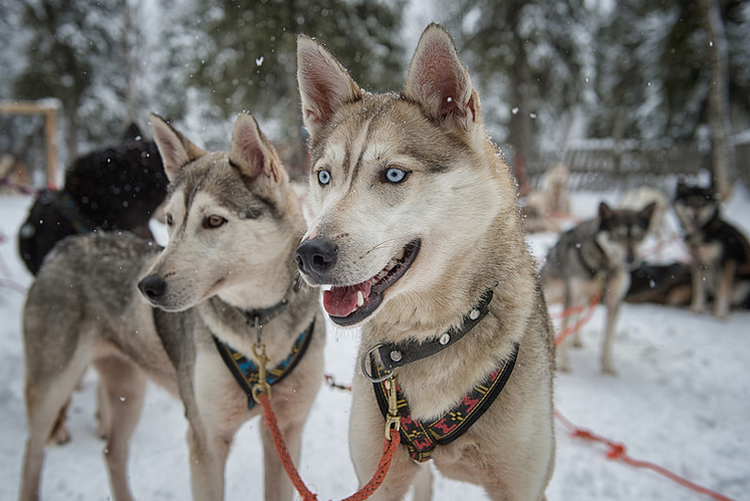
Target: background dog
667,284
595,257
417,221
638,198
226,276
115,188
720,252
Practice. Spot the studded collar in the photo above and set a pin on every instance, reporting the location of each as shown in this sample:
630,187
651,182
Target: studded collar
394,355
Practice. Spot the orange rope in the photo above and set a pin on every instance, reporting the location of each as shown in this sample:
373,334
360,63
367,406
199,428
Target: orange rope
12,285
617,451
389,450
575,327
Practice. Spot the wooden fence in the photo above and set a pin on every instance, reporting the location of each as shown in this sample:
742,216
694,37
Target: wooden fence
599,165
48,108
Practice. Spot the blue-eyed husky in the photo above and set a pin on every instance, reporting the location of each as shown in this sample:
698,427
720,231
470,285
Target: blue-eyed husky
419,240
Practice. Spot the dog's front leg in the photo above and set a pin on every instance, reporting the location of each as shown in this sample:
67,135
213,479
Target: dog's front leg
724,286
617,287
563,348
208,455
277,486
366,435
698,276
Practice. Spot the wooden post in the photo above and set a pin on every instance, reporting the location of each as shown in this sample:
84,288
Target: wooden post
48,108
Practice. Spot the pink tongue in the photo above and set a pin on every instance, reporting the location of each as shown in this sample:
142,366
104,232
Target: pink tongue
341,301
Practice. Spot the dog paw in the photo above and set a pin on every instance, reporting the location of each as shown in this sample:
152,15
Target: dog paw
609,371
60,435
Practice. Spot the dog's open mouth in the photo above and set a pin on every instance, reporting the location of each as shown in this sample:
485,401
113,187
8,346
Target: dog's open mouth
348,305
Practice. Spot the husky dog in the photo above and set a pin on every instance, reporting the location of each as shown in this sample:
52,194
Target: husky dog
640,197
595,257
226,277
667,284
418,239
720,252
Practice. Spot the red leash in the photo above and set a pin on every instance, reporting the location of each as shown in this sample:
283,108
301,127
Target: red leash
618,451
573,311
389,450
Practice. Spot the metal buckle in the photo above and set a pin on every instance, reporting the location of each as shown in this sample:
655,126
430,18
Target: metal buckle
364,366
393,419
262,387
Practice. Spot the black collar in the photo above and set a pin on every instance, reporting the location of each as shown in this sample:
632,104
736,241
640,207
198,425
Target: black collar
259,317
393,355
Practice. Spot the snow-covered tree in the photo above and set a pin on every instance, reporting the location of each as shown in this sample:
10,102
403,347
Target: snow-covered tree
250,62
529,60
75,54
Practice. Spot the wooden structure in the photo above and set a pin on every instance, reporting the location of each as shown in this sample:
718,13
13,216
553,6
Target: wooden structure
49,109
602,164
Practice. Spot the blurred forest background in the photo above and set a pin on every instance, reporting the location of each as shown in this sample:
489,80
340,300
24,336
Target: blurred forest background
619,88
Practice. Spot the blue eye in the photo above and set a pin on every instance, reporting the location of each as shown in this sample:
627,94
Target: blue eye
324,177
394,175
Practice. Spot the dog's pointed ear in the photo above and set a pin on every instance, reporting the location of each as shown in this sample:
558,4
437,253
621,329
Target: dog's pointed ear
681,187
439,81
324,84
604,211
252,153
647,212
175,149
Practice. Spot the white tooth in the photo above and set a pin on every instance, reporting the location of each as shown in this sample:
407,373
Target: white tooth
400,255
360,299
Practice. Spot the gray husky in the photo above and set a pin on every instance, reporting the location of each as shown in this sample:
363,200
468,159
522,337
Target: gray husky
595,257
418,239
225,285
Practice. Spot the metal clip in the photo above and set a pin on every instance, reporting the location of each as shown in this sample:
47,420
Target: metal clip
364,366
261,387
392,420
258,330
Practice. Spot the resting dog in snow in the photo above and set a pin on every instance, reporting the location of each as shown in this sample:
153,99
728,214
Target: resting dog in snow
418,238
226,276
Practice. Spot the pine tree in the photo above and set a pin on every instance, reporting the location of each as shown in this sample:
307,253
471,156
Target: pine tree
74,54
251,60
529,53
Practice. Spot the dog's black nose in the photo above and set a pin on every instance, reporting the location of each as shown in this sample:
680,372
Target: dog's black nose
152,286
315,257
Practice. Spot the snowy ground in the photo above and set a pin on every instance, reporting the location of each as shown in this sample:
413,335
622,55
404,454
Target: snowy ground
681,399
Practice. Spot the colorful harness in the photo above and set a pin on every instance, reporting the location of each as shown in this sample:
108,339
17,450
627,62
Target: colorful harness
245,371
421,437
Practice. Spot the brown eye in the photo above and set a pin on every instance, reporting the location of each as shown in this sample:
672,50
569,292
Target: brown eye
168,219
213,221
